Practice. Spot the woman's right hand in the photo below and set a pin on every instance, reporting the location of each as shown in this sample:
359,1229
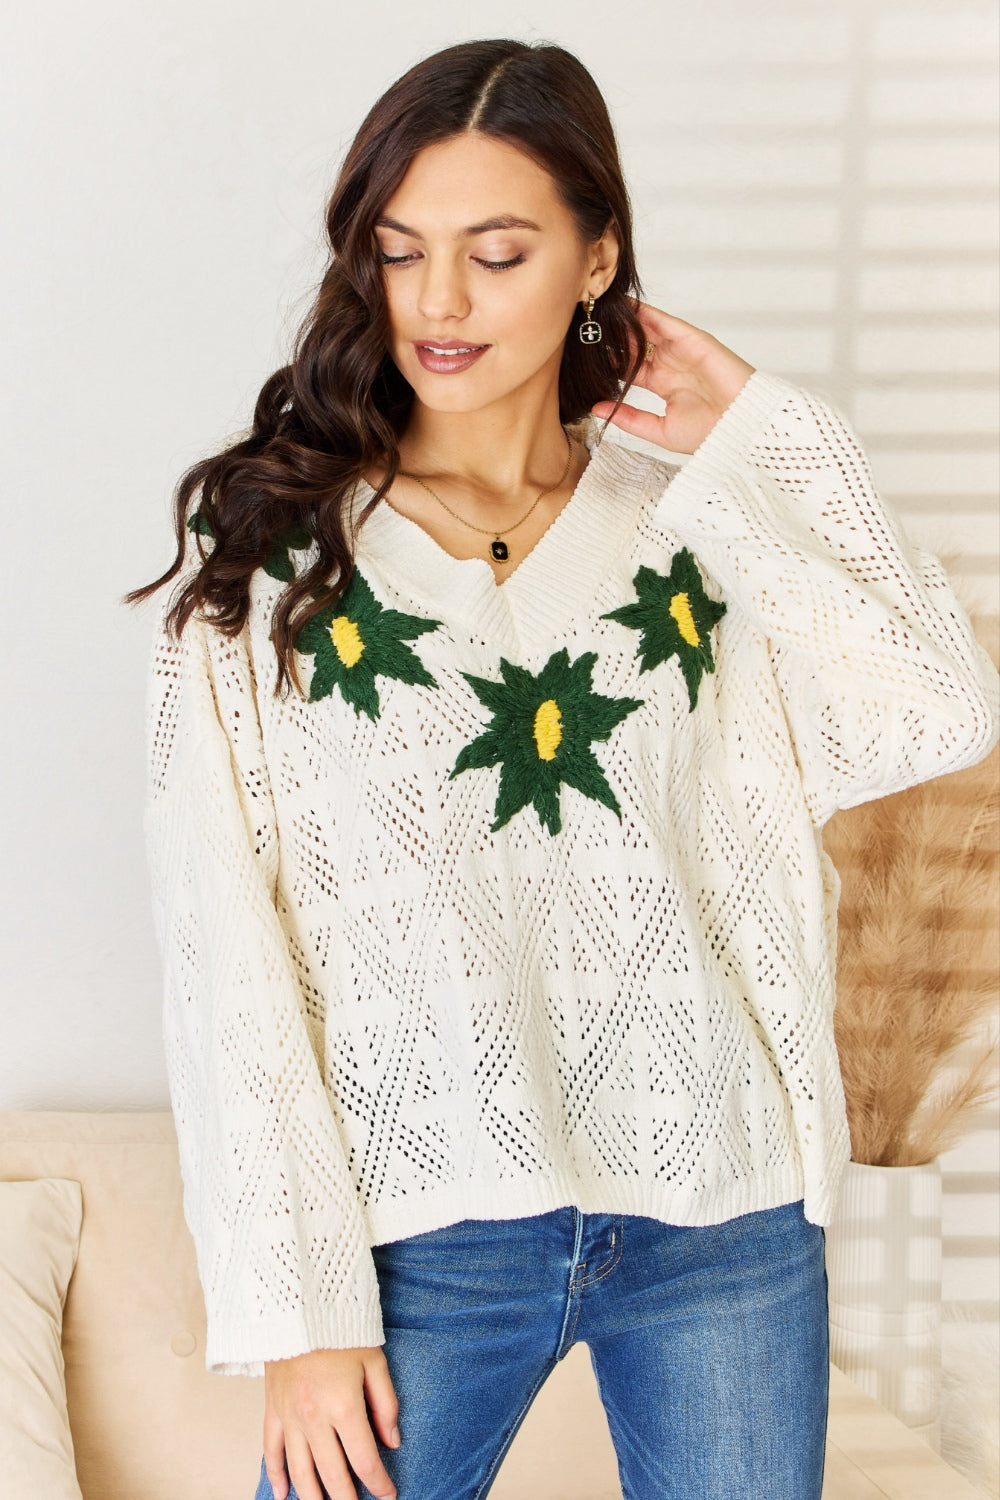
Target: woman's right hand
315,1421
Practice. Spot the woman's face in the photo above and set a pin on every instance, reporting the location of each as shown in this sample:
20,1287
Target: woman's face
482,257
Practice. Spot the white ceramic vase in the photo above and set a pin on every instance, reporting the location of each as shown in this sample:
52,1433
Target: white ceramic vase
883,1261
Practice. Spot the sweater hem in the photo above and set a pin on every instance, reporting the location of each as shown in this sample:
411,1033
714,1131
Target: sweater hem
389,1221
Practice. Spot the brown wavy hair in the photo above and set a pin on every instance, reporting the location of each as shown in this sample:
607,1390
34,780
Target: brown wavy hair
340,405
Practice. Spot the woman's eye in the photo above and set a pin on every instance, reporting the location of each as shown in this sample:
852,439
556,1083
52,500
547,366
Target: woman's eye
487,265
501,265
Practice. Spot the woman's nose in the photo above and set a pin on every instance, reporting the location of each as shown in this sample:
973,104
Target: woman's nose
442,292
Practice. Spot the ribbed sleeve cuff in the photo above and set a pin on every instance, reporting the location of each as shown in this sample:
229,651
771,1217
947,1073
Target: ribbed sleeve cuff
243,1350
725,449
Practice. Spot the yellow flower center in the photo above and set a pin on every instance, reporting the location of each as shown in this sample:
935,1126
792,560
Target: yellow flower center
680,608
548,732
347,641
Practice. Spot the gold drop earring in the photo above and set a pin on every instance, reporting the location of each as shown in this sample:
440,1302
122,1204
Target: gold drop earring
590,330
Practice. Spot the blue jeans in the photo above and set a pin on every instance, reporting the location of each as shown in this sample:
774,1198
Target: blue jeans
710,1346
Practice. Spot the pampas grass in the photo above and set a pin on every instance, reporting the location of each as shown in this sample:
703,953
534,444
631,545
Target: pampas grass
916,965
970,1401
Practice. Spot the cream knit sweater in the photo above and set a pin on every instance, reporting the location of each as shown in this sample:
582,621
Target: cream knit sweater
527,905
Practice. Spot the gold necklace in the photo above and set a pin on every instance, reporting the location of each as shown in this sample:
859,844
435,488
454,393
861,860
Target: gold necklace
499,550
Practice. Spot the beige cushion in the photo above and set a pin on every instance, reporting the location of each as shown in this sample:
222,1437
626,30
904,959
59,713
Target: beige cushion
39,1236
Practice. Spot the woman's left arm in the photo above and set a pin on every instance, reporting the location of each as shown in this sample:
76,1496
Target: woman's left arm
882,680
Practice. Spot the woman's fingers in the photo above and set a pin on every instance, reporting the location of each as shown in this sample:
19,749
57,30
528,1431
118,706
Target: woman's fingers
662,325
674,352
316,1423
382,1400
334,1453
691,371
689,352
320,1455
274,1456
642,424
305,1456
674,341
358,1443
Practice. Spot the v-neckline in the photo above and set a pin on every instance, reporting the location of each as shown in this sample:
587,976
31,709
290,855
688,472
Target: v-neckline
562,568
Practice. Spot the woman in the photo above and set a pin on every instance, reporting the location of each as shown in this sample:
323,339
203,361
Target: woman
489,763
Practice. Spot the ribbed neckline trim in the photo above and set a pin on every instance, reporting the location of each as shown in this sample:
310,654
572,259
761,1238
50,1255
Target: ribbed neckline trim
558,575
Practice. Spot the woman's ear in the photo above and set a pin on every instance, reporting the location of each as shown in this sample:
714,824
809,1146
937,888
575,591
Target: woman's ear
604,260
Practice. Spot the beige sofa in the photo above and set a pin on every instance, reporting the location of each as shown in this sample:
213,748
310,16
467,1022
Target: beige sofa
148,1422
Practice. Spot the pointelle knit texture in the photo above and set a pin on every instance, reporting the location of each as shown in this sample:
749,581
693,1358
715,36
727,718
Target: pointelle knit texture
525,905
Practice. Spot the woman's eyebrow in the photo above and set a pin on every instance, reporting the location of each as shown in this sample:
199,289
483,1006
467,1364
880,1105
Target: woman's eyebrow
501,221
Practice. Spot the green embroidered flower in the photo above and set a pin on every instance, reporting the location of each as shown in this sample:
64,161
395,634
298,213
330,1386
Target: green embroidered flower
674,616
278,563
356,640
199,524
541,735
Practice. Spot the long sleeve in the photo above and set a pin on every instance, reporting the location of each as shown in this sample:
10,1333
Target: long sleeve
283,1252
881,678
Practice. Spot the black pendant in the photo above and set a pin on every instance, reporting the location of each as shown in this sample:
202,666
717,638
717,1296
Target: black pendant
499,550
590,333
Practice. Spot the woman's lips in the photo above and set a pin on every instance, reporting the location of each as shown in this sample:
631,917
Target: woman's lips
431,358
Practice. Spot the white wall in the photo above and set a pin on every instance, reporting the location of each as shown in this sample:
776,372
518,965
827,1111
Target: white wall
812,182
